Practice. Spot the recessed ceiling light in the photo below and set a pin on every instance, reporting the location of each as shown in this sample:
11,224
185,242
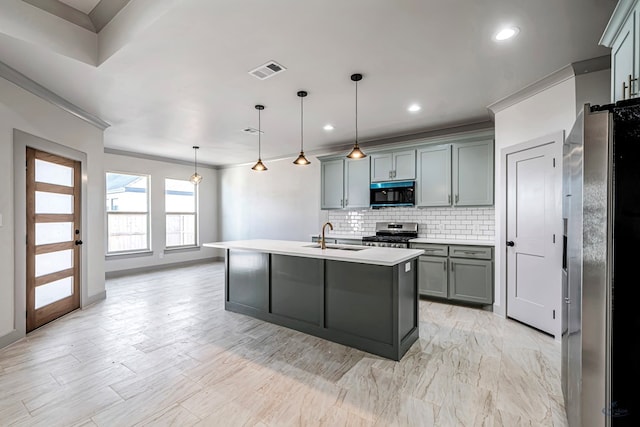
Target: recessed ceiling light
328,127
414,107
506,33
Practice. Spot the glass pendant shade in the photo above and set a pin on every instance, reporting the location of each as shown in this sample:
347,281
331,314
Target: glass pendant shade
259,166
356,152
196,177
301,160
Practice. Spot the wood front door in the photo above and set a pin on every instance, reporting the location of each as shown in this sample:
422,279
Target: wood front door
533,291
53,237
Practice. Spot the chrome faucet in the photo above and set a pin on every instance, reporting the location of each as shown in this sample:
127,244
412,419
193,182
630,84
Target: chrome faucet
323,245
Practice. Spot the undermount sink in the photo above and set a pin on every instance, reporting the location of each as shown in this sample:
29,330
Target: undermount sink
342,248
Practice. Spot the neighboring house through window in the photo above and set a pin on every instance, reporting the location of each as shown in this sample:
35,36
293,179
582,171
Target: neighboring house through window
127,213
181,207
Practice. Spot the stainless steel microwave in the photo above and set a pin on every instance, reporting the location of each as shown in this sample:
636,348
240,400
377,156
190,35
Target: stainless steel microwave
392,193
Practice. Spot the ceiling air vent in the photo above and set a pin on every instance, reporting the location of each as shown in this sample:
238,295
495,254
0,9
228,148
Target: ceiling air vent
267,70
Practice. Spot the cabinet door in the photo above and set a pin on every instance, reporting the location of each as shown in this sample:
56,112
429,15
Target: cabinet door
623,52
471,280
356,183
332,184
434,176
432,276
473,173
381,166
404,165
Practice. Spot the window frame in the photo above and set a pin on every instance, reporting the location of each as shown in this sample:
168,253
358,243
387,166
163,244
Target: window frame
147,213
195,213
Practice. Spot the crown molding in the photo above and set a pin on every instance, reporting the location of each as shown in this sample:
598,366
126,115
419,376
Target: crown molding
618,18
156,158
20,80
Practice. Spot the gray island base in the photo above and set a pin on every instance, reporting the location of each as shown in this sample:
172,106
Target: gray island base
348,299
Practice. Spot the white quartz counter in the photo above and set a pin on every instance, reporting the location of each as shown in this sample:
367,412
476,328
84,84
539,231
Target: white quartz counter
366,254
338,236
453,242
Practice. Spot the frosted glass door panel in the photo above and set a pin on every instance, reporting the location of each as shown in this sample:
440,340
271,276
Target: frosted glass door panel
53,203
53,232
54,291
53,261
52,173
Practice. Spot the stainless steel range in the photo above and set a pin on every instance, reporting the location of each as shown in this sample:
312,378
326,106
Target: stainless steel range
392,234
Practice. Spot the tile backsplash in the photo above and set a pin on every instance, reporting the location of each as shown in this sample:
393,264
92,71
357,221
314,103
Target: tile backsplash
447,223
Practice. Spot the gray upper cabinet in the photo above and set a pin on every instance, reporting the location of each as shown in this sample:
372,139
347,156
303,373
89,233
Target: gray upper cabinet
473,173
332,184
621,35
344,183
434,176
356,183
394,166
457,174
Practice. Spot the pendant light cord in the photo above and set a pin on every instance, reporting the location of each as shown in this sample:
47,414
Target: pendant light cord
356,112
196,158
259,137
301,125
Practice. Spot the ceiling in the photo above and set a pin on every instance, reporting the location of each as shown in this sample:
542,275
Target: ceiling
170,74
84,6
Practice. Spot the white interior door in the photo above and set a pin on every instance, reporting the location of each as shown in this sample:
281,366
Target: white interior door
532,288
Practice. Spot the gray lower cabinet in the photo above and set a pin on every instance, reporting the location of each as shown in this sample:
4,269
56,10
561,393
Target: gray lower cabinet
471,280
432,276
456,272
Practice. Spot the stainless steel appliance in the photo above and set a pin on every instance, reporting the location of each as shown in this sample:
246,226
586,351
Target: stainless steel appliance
601,209
392,234
395,193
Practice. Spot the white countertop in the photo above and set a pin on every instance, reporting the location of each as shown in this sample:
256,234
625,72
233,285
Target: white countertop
453,241
368,255
338,236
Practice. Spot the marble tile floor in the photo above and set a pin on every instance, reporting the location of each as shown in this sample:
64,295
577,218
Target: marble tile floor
161,350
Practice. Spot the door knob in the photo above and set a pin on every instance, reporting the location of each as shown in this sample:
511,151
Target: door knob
78,242
510,243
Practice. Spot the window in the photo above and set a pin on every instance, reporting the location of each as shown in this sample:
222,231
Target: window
181,207
127,212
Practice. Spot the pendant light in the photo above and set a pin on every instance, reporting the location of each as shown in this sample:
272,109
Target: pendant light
356,153
301,160
259,166
196,177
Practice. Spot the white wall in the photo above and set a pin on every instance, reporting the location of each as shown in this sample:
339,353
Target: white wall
158,171
544,113
21,110
281,203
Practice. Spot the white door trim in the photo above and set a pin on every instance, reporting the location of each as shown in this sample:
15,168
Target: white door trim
556,139
20,142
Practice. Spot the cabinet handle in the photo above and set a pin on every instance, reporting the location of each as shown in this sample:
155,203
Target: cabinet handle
449,198
342,202
444,265
451,266
390,174
346,202
457,198
394,174
471,252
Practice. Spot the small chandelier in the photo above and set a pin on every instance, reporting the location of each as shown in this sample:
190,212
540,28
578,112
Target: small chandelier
196,177
259,166
356,153
301,160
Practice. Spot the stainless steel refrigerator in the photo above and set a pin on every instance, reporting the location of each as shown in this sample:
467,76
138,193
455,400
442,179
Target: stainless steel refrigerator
601,261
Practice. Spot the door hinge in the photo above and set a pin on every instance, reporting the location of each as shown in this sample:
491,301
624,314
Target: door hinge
554,238
554,162
554,314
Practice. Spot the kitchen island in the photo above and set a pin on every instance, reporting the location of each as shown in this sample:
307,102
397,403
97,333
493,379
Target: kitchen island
362,297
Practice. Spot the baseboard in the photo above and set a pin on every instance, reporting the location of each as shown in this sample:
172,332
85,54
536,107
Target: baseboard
94,299
10,338
150,268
